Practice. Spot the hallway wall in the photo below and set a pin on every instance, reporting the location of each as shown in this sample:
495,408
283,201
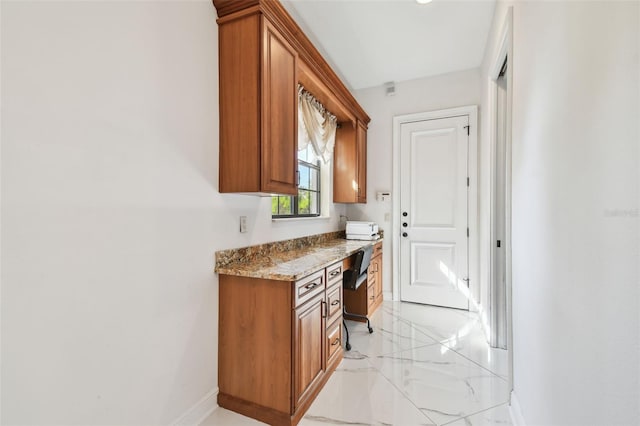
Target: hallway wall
575,210
420,95
111,212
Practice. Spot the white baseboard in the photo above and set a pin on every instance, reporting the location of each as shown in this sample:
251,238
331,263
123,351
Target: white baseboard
516,411
200,411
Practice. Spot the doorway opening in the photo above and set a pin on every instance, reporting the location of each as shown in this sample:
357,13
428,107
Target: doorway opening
498,246
498,219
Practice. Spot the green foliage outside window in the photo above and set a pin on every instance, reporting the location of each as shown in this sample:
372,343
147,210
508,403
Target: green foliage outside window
307,202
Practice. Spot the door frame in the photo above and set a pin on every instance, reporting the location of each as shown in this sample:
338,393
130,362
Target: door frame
472,212
504,52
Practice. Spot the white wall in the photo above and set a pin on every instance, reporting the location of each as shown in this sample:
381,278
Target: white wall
575,210
427,94
110,211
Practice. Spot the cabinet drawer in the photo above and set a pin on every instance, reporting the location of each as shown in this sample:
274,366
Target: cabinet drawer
334,304
334,340
371,272
371,296
308,287
377,249
334,274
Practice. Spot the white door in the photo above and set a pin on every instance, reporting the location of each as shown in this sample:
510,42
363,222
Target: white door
434,209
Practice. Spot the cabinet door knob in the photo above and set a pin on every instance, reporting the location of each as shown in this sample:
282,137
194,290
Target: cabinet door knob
405,224
405,214
404,234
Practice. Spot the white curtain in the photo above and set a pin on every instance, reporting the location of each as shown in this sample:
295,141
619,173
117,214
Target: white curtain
316,126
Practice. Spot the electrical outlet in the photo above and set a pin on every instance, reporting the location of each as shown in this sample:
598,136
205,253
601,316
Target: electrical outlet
243,224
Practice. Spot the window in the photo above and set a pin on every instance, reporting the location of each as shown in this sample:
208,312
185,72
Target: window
307,202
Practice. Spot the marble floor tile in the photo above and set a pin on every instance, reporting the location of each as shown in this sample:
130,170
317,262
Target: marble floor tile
389,335
357,394
475,348
442,383
441,324
494,416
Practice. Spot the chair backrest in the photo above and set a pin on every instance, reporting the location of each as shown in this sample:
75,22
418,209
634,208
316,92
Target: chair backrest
354,277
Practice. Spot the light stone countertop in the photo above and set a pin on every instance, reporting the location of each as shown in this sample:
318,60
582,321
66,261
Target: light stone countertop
295,264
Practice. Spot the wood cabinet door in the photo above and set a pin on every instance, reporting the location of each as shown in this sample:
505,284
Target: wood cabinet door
345,165
361,141
279,114
308,347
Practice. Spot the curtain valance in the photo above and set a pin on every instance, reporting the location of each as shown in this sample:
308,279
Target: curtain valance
316,126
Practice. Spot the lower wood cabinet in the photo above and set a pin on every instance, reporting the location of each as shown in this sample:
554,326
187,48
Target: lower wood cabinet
279,341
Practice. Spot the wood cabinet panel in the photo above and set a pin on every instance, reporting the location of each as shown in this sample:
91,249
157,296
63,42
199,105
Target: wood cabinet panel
244,333
239,56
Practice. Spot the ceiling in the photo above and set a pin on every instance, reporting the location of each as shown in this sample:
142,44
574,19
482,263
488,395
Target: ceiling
370,42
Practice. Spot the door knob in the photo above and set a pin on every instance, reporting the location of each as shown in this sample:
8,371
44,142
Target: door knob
405,214
404,224
404,234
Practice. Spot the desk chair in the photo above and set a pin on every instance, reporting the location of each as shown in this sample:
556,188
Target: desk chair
351,280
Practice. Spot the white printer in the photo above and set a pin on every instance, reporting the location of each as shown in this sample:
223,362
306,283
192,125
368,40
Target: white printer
362,230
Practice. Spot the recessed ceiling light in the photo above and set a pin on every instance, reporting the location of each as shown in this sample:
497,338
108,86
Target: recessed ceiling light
423,1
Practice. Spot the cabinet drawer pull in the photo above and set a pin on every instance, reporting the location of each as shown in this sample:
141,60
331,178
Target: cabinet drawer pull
335,302
312,285
334,273
325,309
336,342
372,297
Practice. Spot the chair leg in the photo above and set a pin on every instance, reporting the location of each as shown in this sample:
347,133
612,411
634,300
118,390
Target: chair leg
344,314
347,345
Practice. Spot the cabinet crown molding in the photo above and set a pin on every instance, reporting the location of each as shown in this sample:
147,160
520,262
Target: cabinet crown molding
274,11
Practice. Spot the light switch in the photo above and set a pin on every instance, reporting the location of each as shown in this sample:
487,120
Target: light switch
243,224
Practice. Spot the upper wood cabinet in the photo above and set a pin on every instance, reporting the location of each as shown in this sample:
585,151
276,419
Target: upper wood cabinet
263,55
350,164
258,108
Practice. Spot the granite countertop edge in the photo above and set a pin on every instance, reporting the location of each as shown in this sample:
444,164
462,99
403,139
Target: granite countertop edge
296,264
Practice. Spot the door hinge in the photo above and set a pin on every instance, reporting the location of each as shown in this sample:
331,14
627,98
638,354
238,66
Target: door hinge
467,182
467,232
468,129
498,243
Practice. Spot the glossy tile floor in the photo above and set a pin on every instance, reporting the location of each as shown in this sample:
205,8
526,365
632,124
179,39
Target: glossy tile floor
421,366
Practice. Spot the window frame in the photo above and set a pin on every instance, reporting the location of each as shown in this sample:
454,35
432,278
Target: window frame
294,198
